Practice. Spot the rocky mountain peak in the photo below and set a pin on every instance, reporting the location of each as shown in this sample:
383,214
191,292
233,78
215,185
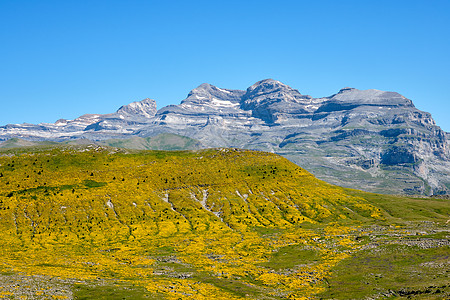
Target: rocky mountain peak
268,86
206,92
202,89
370,97
144,108
269,98
61,122
346,89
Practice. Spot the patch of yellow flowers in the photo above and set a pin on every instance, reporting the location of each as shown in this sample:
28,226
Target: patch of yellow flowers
184,225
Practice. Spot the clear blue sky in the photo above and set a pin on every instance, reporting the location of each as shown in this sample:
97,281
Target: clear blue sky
61,59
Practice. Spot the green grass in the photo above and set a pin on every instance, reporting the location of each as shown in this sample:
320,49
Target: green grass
392,267
112,292
41,189
165,141
236,287
266,230
290,257
399,209
93,184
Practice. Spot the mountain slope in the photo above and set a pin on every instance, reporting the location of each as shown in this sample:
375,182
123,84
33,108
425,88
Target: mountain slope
368,139
222,223
164,141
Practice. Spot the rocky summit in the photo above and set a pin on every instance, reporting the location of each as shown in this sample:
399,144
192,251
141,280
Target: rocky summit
367,139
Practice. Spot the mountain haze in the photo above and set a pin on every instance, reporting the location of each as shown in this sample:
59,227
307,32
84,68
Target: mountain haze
367,139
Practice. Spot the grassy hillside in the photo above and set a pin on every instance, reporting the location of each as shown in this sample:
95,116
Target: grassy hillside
90,222
164,141
16,142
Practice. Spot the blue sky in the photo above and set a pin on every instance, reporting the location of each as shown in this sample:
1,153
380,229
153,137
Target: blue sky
61,59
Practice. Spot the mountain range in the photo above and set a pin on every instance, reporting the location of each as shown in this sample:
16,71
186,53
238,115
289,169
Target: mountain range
367,139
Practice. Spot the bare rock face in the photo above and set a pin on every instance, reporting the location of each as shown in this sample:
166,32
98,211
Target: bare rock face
398,155
367,139
145,108
271,100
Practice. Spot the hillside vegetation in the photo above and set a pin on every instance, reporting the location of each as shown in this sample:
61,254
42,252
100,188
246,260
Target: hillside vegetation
90,222
164,141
